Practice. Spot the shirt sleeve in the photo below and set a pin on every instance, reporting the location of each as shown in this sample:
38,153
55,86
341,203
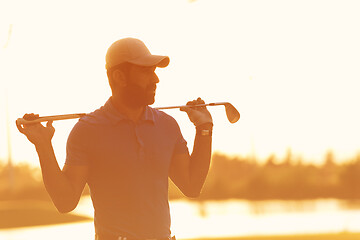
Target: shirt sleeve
77,146
180,144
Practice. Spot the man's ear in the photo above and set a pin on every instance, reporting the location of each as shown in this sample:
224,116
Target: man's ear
118,78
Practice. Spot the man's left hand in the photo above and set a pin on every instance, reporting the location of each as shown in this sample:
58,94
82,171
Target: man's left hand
197,115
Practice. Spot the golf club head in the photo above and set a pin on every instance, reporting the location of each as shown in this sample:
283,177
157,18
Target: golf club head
232,114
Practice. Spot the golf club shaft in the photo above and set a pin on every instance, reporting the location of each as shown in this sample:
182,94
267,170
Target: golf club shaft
78,115
198,105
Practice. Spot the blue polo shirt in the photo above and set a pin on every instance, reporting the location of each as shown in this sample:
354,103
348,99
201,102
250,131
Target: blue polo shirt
128,168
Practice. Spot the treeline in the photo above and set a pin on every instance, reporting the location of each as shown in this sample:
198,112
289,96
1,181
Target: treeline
230,177
22,181
242,178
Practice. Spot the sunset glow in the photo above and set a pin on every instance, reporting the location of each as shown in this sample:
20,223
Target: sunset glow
290,67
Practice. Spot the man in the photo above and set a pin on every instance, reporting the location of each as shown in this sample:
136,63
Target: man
126,151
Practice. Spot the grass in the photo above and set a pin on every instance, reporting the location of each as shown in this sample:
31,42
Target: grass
33,213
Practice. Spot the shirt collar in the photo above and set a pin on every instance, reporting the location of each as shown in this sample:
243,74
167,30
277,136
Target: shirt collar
115,116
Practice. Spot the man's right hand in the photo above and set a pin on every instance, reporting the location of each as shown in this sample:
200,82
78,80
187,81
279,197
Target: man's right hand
36,132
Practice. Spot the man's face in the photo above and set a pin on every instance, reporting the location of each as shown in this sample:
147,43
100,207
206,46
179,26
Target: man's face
141,86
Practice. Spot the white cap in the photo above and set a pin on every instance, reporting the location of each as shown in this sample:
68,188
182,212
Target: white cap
133,51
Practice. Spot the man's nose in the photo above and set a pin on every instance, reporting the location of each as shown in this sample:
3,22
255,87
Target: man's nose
155,78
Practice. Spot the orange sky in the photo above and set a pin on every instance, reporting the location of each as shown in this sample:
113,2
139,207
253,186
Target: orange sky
290,67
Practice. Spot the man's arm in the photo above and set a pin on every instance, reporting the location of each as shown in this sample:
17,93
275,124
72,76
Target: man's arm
189,172
64,186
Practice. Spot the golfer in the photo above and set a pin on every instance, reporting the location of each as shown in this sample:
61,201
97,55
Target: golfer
126,151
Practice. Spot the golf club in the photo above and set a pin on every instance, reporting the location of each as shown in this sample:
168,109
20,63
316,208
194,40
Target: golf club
232,114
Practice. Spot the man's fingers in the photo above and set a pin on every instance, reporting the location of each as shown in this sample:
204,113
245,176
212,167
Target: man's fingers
186,109
19,127
30,116
49,124
198,101
23,127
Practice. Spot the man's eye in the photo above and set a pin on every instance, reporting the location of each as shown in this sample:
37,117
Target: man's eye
149,70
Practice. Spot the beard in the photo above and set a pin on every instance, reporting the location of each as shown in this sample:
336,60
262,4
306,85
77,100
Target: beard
135,96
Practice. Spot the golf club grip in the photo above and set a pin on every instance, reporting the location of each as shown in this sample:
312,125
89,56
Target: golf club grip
50,118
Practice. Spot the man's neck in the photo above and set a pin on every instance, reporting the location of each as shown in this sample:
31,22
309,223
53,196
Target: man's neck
133,113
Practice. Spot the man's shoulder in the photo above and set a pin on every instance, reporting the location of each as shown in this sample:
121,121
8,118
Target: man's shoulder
94,118
164,120
90,122
161,116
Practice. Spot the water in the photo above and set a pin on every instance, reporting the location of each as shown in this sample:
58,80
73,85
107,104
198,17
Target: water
224,219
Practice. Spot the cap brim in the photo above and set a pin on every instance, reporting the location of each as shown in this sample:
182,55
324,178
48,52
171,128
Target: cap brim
151,60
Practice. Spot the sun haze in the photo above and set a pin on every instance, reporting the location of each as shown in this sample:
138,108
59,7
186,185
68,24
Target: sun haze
289,67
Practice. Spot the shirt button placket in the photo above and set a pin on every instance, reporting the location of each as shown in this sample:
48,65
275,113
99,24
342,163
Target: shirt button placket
141,152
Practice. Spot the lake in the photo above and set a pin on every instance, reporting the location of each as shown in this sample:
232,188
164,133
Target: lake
224,219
